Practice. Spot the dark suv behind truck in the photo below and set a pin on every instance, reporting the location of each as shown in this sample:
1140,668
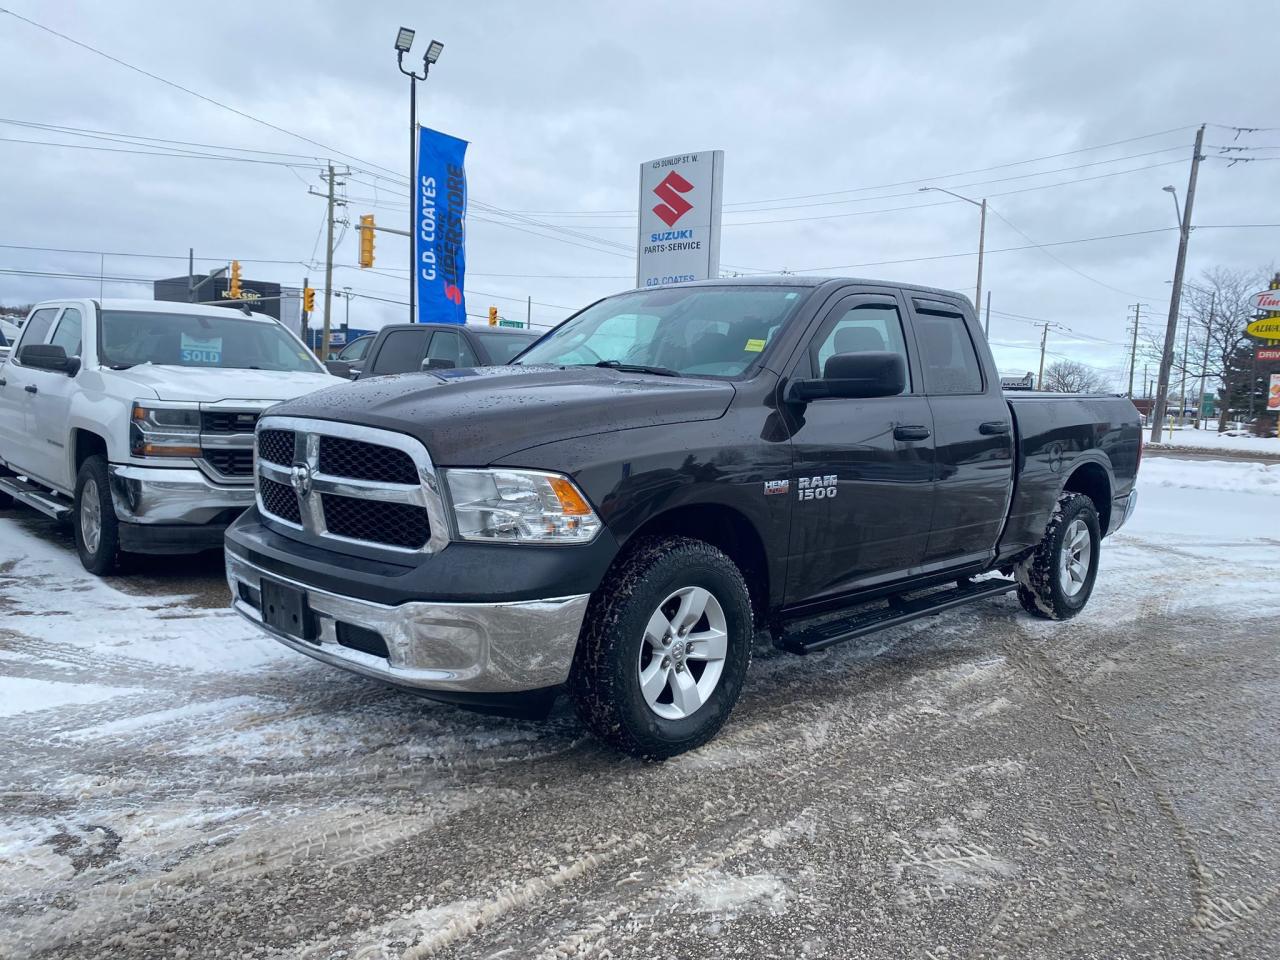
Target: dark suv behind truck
405,347
666,472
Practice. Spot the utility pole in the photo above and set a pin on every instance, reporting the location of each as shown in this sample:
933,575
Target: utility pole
306,282
331,177
982,242
1133,351
987,329
328,274
191,274
1204,363
1044,336
1175,297
528,313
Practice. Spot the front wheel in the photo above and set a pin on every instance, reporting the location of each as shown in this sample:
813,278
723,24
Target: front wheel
664,648
1055,582
97,530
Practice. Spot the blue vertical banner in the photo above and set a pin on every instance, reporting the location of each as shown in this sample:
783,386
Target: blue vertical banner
440,238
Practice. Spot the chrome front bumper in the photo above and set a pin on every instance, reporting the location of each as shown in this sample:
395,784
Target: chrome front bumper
463,647
178,495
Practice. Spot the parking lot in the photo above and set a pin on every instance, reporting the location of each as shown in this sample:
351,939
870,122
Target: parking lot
975,785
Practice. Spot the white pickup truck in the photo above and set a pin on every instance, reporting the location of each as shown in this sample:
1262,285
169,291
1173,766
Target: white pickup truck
136,417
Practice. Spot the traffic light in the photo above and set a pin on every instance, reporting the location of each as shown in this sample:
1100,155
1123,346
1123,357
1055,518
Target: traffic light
366,240
493,316
308,299
233,290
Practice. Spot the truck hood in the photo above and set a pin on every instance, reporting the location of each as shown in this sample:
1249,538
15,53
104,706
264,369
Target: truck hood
206,385
474,417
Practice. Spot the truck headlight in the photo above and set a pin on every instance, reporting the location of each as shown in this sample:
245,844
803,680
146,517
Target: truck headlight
159,429
524,506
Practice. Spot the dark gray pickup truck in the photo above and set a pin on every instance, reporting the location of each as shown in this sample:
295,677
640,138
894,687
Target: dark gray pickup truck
619,511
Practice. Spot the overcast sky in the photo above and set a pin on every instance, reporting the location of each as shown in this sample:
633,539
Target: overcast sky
561,102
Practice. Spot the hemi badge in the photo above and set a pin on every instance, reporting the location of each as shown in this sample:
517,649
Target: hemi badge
772,487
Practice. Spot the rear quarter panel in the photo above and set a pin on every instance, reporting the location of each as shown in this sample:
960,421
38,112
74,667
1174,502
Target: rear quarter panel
1056,435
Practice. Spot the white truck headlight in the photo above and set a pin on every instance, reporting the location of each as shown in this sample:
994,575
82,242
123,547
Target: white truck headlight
524,506
161,429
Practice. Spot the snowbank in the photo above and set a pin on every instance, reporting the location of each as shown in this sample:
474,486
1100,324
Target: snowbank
1190,439
1230,475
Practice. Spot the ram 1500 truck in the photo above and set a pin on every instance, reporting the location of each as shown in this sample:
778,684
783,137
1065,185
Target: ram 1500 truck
135,417
617,512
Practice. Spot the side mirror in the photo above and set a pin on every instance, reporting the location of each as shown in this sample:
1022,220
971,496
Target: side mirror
339,368
48,356
855,375
437,363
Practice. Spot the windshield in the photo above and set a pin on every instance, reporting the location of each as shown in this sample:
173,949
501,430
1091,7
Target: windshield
698,331
196,340
502,347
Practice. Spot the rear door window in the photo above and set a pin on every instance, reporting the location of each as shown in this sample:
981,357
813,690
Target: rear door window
401,352
448,345
947,354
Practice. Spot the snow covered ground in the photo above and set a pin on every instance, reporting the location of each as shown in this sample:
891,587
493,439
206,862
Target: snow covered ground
1191,439
173,784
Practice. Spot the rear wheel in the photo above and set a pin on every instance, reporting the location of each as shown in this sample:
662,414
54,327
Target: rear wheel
1056,581
93,517
664,648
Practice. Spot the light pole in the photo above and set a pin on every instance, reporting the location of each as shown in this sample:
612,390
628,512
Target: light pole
982,240
404,41
1175,298
1177,210
346,324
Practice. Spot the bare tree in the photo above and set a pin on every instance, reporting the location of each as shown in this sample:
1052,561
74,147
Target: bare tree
1072,376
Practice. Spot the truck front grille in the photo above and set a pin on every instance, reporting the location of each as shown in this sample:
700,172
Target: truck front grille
276,446
228,421
279,500
355,484
230,461
396,524
340,457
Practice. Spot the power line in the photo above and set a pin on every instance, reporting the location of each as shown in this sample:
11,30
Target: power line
161,153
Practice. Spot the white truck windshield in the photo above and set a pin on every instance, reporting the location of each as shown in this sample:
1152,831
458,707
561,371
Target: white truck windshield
197,340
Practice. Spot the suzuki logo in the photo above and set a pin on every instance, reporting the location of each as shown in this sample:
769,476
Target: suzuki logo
300,479
673,206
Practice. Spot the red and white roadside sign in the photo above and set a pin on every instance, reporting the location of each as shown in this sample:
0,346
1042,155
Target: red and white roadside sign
1266,353
680,199
1266,300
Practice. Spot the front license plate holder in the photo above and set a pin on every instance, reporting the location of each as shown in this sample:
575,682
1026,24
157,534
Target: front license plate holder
285,609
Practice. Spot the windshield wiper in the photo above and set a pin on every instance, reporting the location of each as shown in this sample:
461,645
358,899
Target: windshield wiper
638,368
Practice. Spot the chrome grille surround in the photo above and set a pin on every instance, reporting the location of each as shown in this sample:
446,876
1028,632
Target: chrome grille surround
310,485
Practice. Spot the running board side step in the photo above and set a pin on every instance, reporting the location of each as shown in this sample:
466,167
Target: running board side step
34,497
899,610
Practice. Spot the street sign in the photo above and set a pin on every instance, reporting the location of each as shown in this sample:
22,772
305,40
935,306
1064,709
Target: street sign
1266,300
1266,353
1268,328
518,325
679,233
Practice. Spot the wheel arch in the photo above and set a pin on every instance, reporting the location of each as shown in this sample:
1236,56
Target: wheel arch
1093,479
84,444
728,530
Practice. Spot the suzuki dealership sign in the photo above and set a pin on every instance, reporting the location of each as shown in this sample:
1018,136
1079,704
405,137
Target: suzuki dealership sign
440,208
680,200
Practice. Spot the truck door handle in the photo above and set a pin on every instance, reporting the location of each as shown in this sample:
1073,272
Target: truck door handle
911,433
31,388
993,427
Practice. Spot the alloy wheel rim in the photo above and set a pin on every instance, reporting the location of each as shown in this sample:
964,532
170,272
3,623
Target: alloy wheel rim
682,656
1075,557
90,516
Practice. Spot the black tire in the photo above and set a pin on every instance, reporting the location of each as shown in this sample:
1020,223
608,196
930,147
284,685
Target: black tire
1040,588
604,682
106,558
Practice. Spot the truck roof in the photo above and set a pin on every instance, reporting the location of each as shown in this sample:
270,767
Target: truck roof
792,280
157,306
